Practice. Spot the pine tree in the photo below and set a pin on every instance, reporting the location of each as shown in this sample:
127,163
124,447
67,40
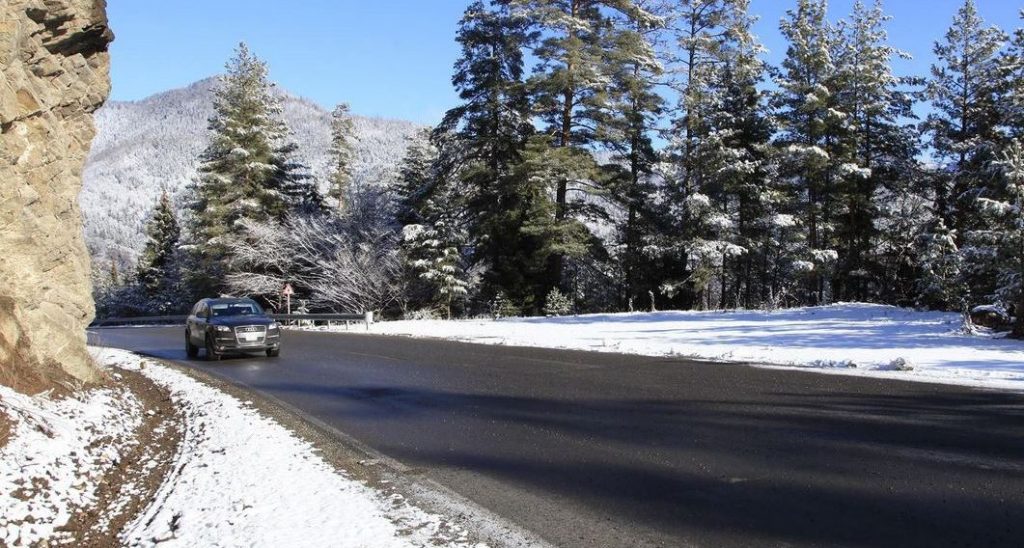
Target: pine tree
627,128
575,60
557,304
341,154
1003,236
1012,100
433,213
877,156
158,266
247,172
699,32
492,124
941,284
964,125
433,253
736,168
811,137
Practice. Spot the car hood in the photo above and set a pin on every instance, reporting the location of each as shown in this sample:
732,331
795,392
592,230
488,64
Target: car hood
235,321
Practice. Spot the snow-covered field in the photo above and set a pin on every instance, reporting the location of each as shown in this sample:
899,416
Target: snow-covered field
239,479
853,339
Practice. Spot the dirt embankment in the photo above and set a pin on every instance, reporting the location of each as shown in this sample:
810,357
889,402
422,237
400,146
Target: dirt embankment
5,430
118,469
129,487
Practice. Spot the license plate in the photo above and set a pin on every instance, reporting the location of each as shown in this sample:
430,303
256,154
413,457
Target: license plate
250,337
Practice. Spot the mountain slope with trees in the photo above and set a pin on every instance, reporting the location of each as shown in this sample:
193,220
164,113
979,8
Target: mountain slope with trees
144,148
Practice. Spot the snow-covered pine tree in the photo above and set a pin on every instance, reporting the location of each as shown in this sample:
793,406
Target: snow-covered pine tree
698,30
433,253
247,171
733,167
1003,236
433,215
941,285
1012,100
158,272
557,304
964,124
810,140
878,154
341,154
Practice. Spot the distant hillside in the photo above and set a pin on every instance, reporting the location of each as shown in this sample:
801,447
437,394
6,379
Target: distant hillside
144,147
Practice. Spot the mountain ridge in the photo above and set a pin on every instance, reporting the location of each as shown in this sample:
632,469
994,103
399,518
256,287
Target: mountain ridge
147,146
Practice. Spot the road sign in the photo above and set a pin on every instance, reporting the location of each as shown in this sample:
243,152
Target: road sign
288,290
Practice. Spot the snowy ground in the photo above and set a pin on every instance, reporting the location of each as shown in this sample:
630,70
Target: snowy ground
56,457
853,339
239,479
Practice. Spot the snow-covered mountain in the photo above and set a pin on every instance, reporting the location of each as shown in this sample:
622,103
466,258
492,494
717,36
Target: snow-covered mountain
145,147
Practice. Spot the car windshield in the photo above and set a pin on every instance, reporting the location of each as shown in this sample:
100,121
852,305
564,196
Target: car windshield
234,309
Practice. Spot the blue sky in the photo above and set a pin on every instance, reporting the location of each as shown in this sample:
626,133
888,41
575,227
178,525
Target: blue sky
393,58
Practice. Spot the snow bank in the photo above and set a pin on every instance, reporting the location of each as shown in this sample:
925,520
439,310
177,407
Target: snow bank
851,339
56,455
243,480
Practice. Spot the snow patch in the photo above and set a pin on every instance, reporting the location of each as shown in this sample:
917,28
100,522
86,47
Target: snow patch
243,480
848,338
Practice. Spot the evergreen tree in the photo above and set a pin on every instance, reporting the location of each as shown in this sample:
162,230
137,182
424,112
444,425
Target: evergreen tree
811,138
493,124
557,304
533,182
1012,101
158,271
576,57
1002,239
878,153
699,32
247,172
736,168
964,125
341,154
626,129
433,254
941,284
433,213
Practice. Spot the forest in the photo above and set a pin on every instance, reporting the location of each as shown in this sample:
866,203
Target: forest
625,155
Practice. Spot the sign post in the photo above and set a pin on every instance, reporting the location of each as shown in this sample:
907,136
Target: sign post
288,292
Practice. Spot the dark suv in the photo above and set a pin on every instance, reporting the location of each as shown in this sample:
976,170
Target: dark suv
231,326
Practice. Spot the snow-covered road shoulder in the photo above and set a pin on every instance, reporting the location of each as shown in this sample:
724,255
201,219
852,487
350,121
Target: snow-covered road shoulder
852,339
240,479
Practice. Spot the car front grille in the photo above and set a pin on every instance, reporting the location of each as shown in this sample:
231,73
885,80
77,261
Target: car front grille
245,333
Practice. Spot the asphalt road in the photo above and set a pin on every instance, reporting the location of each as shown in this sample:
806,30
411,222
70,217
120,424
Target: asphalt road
594,450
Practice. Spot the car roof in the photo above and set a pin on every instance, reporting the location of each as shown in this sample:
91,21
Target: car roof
229,301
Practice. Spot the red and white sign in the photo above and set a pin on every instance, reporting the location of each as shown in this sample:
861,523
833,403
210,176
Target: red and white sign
288,290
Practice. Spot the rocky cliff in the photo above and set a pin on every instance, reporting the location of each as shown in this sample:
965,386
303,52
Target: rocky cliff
54,72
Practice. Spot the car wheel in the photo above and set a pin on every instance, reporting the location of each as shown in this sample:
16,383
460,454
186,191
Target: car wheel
273,352
211,354
190,349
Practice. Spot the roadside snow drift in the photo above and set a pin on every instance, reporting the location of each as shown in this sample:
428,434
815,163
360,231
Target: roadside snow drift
855,339
238,479
243,480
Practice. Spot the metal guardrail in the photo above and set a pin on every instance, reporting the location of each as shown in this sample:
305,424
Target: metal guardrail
180,320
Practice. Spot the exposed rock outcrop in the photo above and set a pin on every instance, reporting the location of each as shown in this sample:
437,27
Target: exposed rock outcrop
54,72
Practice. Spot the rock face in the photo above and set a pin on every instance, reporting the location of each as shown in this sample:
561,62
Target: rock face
54,72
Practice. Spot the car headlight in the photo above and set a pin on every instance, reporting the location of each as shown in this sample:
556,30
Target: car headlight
223,329
274,326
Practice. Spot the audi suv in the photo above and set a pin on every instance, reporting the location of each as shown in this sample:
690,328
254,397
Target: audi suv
231,326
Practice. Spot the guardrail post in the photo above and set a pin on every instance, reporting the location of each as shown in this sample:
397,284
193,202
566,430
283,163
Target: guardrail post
369,319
